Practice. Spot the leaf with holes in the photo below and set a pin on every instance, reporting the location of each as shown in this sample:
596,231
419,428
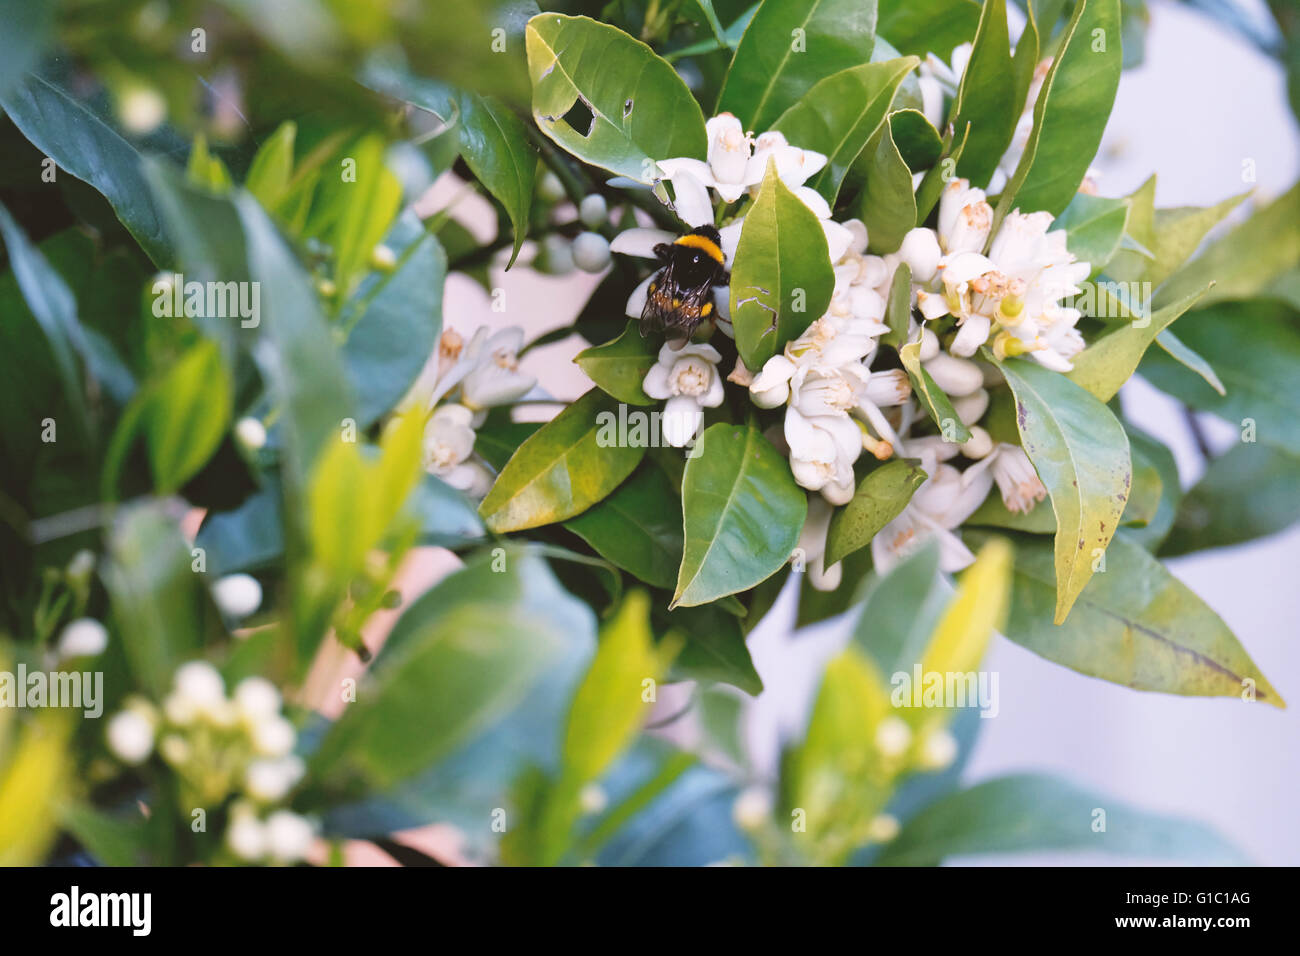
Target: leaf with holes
782,277
634,107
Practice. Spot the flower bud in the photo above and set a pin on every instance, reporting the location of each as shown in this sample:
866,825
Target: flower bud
590,251
383,258
246,837
920,250
550,188
593,211
251,433
978,445
893,736
752,809
84,637
883,828
257,698
592,799
237,595
956,376
938,750
130,737
288,836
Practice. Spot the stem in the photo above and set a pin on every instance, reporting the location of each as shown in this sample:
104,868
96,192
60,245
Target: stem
1198,433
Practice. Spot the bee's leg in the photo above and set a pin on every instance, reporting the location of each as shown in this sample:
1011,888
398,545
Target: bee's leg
724,278
663,251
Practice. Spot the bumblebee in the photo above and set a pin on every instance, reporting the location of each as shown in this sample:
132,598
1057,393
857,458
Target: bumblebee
680,295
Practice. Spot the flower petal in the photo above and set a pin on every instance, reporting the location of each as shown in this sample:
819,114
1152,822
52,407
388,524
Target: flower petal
640,242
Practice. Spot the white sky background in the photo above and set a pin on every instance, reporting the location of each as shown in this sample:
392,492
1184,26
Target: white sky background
1203,101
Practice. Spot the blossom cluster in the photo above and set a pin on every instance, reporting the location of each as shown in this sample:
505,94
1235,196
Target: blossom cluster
975,284
471,377
221,746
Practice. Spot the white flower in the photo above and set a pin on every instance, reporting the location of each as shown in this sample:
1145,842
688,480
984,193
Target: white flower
688,378
130,736
726,171
822,453
257,698
237,595
590,252
1017,480
1016,288
246,837
84,637
448,445
288,836
142,109
812,542
943,501
273,737
893,736
965,218
495,378
251,433
752,808
938,79
175,750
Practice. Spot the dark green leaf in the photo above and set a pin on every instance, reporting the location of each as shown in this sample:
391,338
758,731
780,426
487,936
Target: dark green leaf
620,366
880,498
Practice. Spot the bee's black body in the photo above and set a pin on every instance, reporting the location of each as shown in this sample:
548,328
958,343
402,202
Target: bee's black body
680,295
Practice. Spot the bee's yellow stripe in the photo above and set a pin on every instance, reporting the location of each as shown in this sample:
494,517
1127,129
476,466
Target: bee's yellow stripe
700,242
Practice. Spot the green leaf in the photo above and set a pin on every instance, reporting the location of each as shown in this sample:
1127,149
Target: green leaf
1071,113
931,397
52,305
638,527
887,205
205,170
619,366
1247,259
900,611
1176,234
839,115
83,144
1026,813
742,514
928,26
782,277
898,310
610,704
837,775
1094,227
1256,349
976,611
787,48
880,498
1159,457
1110,361
1135,624
272,167
713,648
188,413
1185,357
569,464
158,601
918,142
28,28
640,109
111,840
494,143
369,203
395,319
1081,453
458,659
987,97
1247,493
